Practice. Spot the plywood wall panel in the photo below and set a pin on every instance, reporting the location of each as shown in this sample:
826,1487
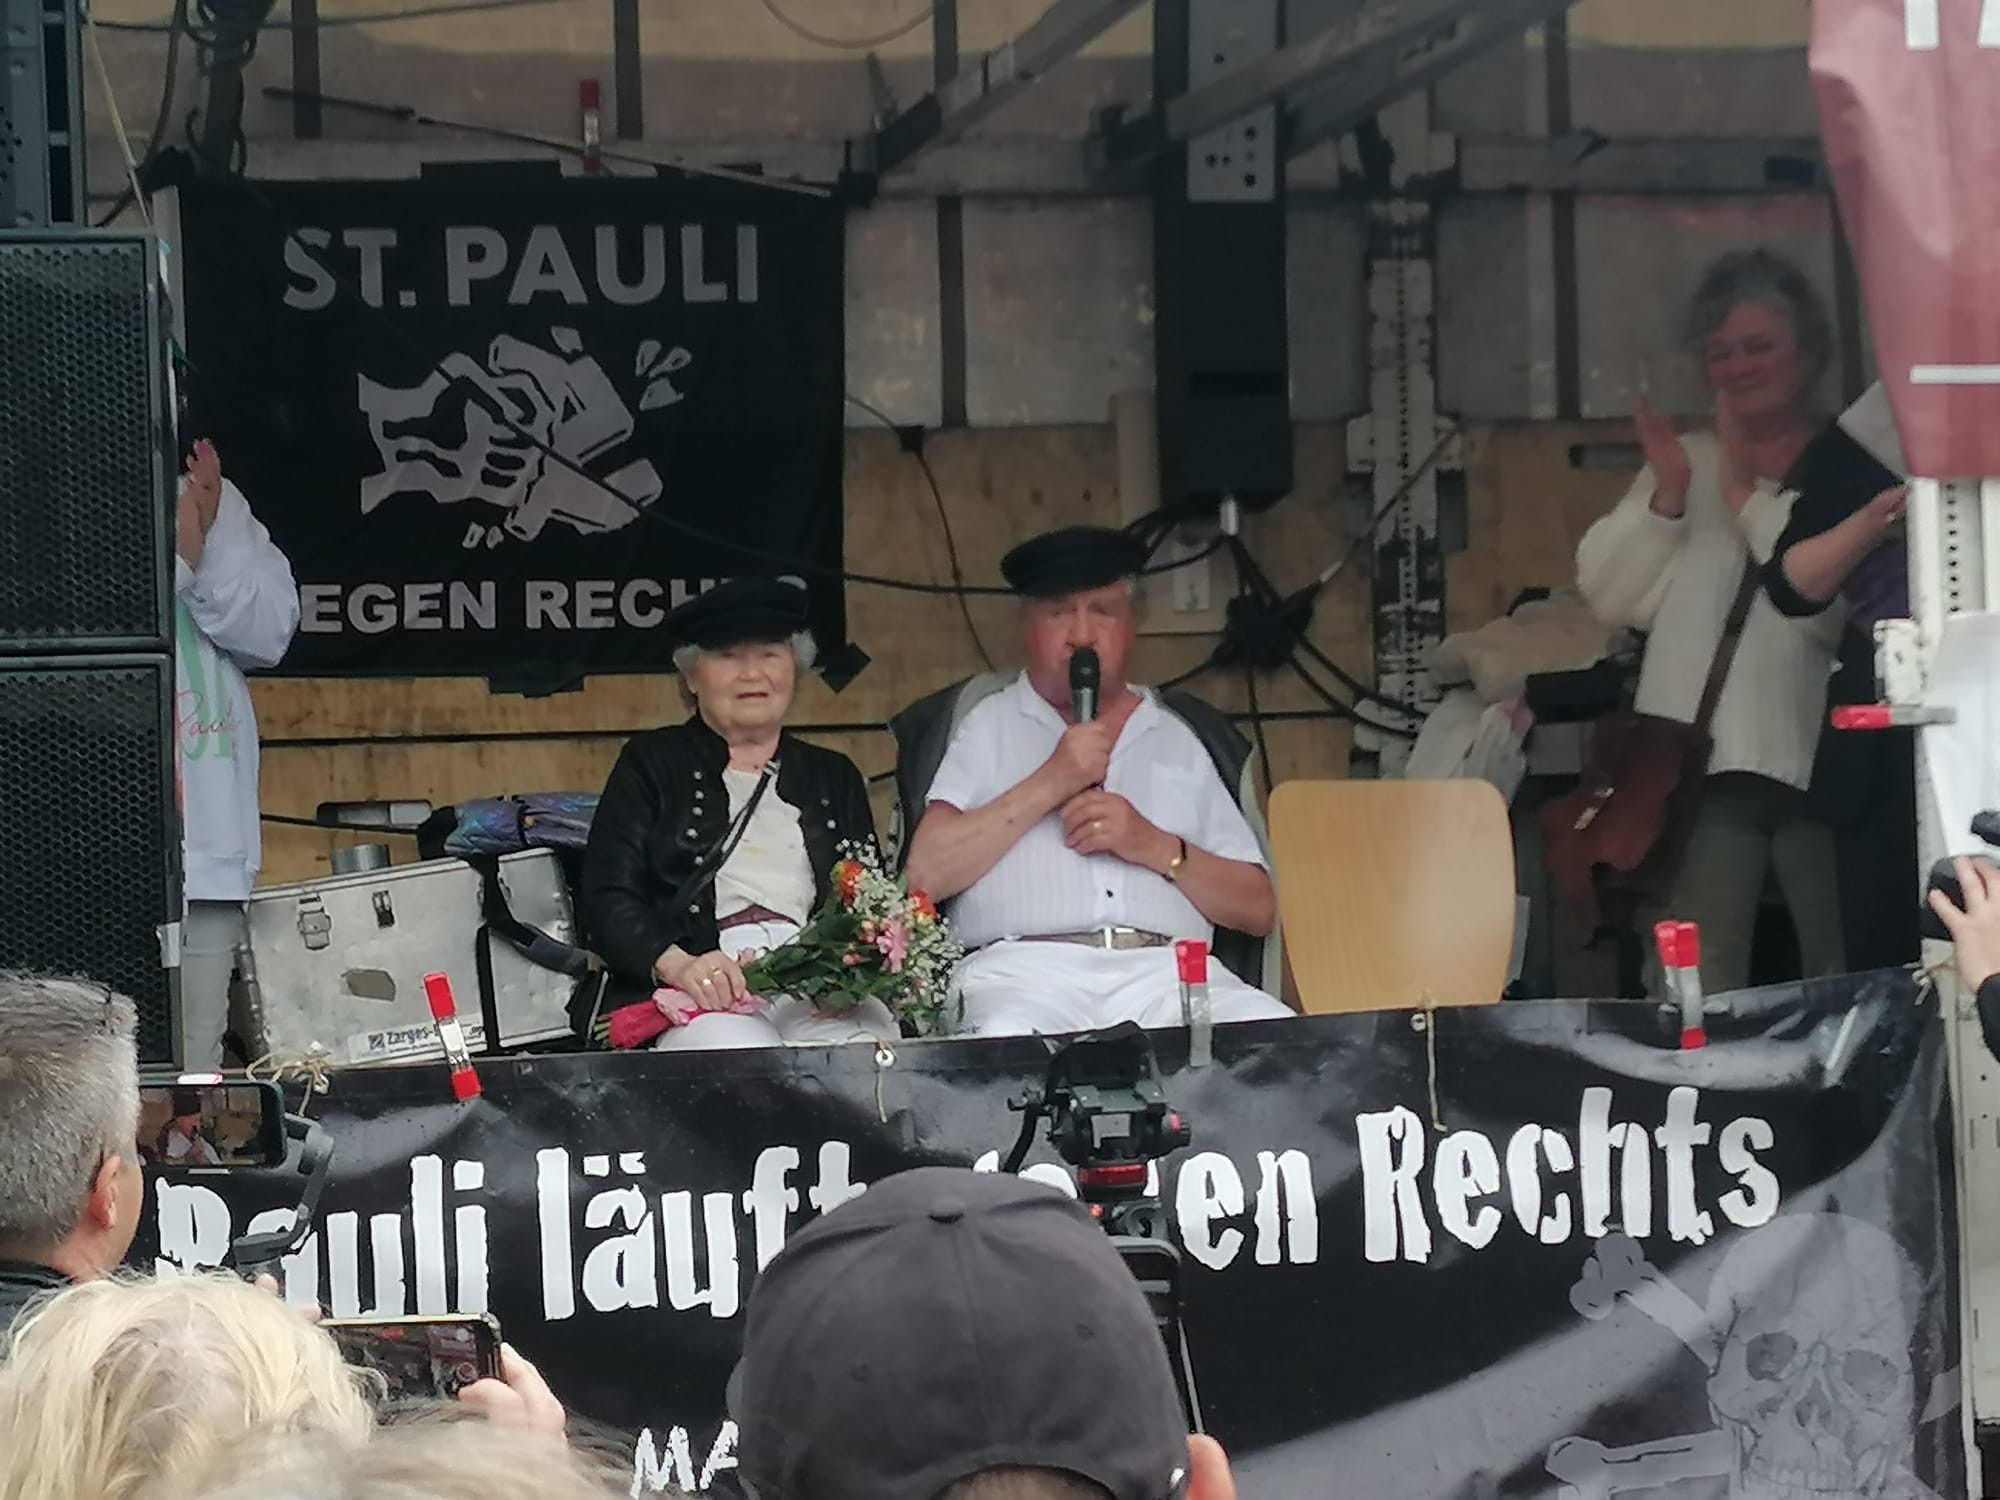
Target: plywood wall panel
1527,507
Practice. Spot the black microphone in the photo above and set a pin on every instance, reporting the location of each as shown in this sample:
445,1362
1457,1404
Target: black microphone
1083,672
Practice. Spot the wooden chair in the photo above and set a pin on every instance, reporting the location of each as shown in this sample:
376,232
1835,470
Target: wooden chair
1391,891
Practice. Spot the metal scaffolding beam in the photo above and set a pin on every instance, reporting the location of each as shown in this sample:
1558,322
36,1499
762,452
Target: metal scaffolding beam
978,90
1363,87
1356,41
1588,163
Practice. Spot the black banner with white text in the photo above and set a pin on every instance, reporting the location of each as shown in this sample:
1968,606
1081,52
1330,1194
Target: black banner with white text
1535,1251
501,426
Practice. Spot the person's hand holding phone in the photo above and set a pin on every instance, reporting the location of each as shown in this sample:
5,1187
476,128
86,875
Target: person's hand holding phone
519,1399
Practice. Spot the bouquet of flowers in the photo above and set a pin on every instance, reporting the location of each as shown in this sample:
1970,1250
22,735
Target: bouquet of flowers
873,938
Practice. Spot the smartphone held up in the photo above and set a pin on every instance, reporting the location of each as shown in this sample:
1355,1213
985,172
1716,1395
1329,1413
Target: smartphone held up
421,1358
202,1121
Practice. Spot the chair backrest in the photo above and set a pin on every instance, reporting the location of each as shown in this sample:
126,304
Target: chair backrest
923,732
1394,894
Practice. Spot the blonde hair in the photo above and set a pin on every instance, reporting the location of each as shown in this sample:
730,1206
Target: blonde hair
425,1461
119,1389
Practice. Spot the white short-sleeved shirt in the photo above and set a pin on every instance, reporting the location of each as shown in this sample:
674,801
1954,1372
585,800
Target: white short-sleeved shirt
1042,886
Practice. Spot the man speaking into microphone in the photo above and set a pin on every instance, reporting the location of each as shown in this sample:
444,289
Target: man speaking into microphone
1077,829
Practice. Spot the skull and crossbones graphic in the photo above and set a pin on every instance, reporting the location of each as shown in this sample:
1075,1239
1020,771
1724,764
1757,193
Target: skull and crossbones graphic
1807,1337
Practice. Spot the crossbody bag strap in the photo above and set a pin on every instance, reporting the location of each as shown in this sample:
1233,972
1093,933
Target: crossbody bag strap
710,864
1725,649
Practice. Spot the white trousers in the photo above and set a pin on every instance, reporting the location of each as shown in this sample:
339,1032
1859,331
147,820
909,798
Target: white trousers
782,1022
209,937
1024,988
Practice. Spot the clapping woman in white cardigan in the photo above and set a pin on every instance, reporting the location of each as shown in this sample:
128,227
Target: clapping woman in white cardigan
1670,560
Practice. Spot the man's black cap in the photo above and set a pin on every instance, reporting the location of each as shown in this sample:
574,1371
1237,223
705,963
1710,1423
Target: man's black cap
738,612
944,1323
1072,561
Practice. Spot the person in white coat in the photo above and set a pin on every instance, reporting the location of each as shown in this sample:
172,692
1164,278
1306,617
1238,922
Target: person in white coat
236,605
1670,559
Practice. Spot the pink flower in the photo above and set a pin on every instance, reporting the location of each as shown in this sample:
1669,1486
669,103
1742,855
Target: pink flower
894,943
852,960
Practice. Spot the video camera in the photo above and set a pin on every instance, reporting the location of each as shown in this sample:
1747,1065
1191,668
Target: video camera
1109,1118
194,1123
1944,877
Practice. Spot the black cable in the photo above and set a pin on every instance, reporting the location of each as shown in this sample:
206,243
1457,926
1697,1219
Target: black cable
1359,689
1211,660
176,29
225,35
1344,710
1267,592
290,822
1335,709
1243,587
951,550
1257,723
1274,716
358,18
410,115
848,43
915,448
1401,493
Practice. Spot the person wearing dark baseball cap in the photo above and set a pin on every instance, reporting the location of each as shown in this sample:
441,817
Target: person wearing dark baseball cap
960,1334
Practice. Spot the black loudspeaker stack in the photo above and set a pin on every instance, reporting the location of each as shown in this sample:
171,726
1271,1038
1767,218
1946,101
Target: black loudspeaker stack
1221,349
90,848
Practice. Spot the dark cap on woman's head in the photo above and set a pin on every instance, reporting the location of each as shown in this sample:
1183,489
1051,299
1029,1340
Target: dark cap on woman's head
739,612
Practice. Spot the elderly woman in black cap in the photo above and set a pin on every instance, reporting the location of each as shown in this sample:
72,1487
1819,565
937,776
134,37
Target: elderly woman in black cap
716,837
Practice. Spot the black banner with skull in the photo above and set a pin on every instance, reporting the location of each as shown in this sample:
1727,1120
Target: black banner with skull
501,424
1514,1250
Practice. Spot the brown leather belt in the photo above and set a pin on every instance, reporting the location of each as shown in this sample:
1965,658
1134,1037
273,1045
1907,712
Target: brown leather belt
751,914
1109,938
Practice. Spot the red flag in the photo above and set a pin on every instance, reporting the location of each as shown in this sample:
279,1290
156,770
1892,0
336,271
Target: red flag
1909,106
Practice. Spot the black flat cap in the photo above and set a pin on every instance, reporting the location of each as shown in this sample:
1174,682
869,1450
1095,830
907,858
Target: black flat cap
1072,560
944,1323
737,612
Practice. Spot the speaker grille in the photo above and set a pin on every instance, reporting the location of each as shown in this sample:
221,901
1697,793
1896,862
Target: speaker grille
89,840
82,493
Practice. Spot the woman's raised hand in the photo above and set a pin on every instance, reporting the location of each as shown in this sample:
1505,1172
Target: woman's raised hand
1665,456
